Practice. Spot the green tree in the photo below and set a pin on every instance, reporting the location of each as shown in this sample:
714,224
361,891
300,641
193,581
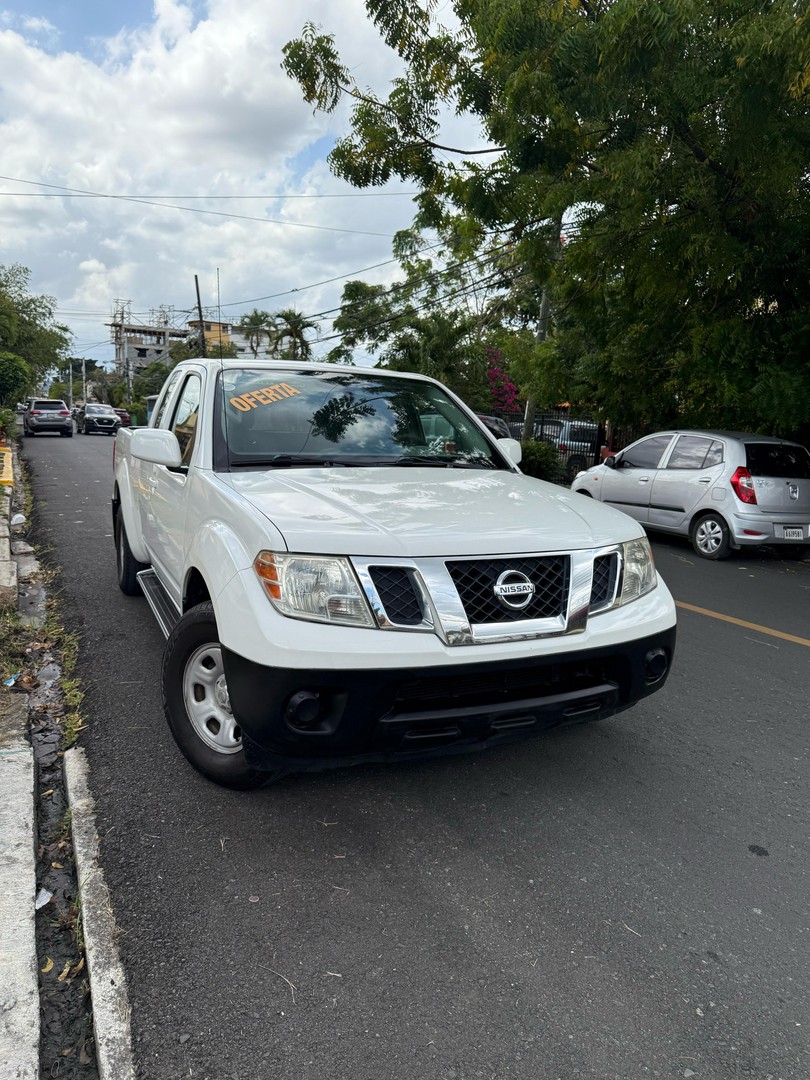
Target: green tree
291,334
15,379
257,326
28,327
670,137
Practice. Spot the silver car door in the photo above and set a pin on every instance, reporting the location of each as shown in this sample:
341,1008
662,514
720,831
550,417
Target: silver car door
628,485
693,467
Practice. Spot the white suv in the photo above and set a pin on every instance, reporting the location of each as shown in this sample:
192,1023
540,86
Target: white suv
722,489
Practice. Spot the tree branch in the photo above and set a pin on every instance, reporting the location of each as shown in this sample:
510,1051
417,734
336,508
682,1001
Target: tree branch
419,138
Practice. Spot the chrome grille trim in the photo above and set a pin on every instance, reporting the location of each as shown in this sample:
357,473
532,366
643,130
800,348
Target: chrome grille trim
443,613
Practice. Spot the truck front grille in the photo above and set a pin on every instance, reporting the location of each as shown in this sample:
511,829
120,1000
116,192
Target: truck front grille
605,574
397,594
475,580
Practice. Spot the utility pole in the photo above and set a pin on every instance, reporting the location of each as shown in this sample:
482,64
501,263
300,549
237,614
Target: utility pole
84,383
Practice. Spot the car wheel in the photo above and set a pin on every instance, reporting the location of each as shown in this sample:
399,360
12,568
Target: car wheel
710,537
128,565
28,431
573,466
68,434
587,494
197,706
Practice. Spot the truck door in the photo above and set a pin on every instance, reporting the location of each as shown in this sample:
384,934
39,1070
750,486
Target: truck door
168,493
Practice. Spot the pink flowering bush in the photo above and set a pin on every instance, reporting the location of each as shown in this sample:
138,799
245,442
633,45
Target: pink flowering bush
505,395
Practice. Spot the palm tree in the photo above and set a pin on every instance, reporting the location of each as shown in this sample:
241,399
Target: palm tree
291,324
257,325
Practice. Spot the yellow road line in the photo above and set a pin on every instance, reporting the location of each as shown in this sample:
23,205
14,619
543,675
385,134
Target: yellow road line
742,622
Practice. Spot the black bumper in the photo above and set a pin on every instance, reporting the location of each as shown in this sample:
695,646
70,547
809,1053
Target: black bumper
316,719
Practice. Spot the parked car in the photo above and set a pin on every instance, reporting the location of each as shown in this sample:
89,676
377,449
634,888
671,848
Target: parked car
576,441
47,415
124,417
494,424
100,418
722,489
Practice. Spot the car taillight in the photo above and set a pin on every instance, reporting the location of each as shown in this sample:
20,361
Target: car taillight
742,483
563,448
64,412
36,412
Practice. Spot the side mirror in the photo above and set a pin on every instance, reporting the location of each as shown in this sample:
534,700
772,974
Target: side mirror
611,462
157,446
512,449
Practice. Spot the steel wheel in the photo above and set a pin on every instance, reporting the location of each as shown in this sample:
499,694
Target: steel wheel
197,705
206,696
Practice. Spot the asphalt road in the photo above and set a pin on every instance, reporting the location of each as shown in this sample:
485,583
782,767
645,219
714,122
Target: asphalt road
623,900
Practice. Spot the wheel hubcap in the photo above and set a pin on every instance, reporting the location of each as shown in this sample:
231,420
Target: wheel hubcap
709,536
208,704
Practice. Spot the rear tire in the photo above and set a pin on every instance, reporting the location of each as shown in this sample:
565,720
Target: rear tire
710,537
128,565
197,706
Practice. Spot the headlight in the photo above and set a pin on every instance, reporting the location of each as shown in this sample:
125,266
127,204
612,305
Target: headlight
313,587
639,575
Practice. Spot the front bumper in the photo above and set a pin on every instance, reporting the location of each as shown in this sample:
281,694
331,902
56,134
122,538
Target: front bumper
304,719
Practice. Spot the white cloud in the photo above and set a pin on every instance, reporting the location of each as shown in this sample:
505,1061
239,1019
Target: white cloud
185,108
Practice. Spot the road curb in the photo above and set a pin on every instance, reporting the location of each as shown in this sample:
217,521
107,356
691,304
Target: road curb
19,980
107,981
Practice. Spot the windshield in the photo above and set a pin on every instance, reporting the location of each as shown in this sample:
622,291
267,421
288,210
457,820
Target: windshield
338,417
99,410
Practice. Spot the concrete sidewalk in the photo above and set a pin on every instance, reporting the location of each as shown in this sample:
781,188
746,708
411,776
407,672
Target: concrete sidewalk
19,976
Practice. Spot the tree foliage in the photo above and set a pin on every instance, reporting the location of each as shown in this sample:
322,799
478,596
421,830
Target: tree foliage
670,136
28,329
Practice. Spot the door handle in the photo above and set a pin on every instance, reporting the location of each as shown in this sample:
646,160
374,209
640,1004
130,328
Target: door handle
644,479
705,480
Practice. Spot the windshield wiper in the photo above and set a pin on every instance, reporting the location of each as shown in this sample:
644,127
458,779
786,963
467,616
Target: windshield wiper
287,460
443,461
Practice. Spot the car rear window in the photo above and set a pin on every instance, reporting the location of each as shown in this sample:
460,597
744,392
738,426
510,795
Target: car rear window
786,460
57,406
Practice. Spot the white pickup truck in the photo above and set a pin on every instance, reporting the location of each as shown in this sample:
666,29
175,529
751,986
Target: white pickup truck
349,567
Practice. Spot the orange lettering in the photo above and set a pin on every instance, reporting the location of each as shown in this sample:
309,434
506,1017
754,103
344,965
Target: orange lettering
239,404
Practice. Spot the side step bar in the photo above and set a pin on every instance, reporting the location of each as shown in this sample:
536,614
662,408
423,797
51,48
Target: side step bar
159,601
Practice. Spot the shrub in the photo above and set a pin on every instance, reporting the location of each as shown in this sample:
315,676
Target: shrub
540,459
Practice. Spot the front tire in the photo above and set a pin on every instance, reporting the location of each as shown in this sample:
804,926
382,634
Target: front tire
128,565
197,705
711,538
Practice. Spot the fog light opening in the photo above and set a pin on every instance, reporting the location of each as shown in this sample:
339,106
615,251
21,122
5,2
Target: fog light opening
656,664
303,709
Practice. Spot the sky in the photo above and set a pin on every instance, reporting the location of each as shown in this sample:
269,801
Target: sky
146,143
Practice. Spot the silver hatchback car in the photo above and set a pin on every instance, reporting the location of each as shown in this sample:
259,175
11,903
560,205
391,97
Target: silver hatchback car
722,489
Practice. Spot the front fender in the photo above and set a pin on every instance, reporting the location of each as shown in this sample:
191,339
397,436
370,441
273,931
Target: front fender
124,504
219,554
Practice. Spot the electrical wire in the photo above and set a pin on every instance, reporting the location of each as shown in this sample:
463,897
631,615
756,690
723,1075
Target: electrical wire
197,210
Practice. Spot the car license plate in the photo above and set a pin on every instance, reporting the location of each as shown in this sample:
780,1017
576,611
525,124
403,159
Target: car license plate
793,534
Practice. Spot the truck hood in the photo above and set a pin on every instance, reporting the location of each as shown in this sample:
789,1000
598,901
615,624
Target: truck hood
416,512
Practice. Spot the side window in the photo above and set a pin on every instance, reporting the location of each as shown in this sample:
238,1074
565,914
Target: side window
646,454
160,412
714,456
690,452
185,417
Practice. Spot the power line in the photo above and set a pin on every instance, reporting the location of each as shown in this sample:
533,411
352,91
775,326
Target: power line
197,210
